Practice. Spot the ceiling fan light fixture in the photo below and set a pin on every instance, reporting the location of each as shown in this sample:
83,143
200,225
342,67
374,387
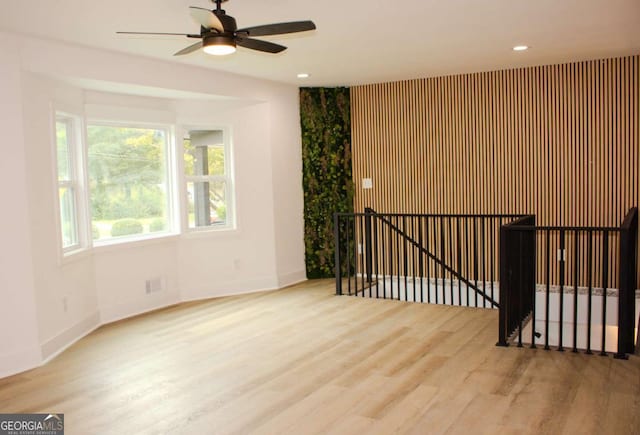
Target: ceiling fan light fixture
219,45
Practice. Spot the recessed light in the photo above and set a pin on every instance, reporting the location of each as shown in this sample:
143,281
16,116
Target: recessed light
520,48
303,75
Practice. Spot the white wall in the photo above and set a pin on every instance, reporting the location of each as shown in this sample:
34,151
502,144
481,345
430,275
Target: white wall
18,318
65,291
47,302
288,201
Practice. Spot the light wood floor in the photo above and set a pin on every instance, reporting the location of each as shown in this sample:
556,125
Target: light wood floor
302,361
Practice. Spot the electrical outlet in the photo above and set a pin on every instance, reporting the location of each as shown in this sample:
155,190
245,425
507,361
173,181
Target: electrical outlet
65,307
153,285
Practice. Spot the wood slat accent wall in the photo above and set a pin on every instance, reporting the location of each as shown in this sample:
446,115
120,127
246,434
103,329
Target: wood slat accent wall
560,141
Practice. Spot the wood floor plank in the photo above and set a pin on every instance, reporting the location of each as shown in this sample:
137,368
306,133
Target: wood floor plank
303,361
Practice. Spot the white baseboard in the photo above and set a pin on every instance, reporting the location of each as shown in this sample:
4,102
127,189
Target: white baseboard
231,288
58,344
30,358
141,306
291,278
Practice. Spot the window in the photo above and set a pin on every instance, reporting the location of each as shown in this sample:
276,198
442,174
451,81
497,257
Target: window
208,177
68,162
120,185
128,180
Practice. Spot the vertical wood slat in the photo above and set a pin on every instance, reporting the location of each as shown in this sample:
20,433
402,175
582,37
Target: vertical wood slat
559,141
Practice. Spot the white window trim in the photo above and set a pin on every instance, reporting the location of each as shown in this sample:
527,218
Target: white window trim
176,180
173,220
77,181
228,178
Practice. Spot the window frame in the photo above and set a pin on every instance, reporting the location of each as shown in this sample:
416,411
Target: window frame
76,180
228,178
172,208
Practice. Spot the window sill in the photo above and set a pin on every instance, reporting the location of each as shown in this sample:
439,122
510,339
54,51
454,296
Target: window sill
133,242
137,242
75,255
198,233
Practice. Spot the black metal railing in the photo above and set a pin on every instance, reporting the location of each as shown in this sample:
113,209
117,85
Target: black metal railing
627,283
517,277
436,258
569,301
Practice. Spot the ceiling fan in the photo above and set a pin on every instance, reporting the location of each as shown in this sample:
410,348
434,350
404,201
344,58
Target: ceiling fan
219,33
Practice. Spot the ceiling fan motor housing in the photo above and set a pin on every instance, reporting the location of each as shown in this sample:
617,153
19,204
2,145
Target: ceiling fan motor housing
218,39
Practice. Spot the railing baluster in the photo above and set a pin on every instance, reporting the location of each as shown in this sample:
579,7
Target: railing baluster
391,255
367,248
376,256
590,287
576,261
413,256
483,268
459,258
383,261
467,259
420,259
404,258
348,250
444,273
605,286
450,261
362,255
547,302
337,264
561,322
435,265
491,257
428,233
398,265
475,257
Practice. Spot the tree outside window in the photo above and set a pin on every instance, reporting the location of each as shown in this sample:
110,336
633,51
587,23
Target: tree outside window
128,180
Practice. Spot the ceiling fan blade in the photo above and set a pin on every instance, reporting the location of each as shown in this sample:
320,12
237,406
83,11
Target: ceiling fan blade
256,44
206,18
189,49
279,28
188,35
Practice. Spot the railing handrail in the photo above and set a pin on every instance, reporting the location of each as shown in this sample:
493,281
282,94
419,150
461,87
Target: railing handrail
559,228
421,248
430,214
518,221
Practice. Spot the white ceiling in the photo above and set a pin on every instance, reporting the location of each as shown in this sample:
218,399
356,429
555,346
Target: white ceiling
356,41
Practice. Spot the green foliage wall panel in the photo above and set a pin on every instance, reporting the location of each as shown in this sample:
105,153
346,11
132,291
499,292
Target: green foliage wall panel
325,117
